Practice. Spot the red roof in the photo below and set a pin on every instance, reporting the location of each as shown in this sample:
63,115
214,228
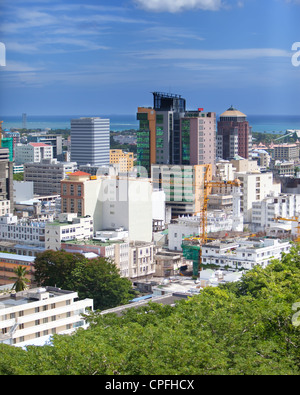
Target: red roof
40,145
79,173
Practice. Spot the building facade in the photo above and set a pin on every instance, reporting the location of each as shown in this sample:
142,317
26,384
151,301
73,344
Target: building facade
31,317
243,255
47,175
183,186
32,152
123,160
90,141
168,134
233,135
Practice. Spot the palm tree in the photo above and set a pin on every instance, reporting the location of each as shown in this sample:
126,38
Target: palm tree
21,281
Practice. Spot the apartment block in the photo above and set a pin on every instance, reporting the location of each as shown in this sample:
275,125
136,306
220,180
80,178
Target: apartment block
141,260
189,226
47,175
31,317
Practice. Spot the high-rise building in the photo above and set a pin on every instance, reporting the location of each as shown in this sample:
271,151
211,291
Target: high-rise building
168,134
233,135
198,138
90,141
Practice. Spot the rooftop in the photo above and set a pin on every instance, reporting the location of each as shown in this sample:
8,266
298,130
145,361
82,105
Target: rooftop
233,112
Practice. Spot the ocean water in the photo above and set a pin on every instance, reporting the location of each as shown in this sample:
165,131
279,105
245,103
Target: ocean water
259,123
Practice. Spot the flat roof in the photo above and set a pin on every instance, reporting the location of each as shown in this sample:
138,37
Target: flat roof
17,257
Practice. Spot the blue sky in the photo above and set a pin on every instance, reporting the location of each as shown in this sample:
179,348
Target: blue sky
107,56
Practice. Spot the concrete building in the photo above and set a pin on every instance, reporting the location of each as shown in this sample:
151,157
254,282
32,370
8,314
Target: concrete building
117,250
31,317
141,260
112,202
233,135
255,187
198,138
243,254
183,186
22,231
47,175
287,152
55,140
189,226
32,153
123,160
67,227
281,205
90,141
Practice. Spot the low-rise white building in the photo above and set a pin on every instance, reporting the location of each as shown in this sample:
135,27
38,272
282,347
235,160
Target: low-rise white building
243,254
25,232
68,227
31,317
187,226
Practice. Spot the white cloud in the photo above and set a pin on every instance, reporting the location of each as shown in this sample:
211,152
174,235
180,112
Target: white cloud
222,54
178,5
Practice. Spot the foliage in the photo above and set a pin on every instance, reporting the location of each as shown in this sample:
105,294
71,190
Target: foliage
18,176
244,328
21,282
98,279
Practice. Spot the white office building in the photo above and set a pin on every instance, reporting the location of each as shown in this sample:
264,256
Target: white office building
32,152
281,205
243,254
67,227
254,188
31,317
90,141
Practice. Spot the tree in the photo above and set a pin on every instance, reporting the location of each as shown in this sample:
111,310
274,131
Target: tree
21,282
54,268
98,279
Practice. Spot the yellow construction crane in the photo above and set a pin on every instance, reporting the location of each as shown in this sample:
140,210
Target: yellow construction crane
293,219
202,239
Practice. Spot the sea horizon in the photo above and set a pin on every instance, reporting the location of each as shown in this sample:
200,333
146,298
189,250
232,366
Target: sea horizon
259,123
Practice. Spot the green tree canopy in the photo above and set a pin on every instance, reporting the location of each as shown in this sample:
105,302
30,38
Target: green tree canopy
98,279
245,328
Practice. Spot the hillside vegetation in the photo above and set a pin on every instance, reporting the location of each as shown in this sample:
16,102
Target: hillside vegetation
246,328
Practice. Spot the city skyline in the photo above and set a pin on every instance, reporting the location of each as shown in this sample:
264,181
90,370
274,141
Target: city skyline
98,58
